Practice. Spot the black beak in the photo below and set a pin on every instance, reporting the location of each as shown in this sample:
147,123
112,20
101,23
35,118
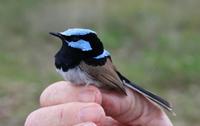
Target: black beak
57,34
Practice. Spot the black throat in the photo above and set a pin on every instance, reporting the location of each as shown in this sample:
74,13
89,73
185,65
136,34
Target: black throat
67,58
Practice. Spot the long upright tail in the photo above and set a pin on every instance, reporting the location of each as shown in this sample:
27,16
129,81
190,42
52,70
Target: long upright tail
160,101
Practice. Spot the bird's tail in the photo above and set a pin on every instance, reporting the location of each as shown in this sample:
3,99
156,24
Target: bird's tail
160,101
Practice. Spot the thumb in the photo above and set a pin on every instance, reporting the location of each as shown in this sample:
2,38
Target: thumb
133,109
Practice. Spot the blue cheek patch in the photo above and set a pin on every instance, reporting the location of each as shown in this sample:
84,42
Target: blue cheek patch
81,44
103,55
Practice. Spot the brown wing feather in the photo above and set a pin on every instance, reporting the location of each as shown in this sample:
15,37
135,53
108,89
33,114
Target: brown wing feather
105,74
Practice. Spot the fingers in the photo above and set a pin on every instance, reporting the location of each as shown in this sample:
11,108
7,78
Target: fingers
133,109
66,115
64,92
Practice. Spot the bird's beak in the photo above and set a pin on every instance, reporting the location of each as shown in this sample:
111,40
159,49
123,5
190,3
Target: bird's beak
57,34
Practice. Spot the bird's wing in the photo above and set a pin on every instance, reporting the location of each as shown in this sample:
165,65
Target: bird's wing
105,74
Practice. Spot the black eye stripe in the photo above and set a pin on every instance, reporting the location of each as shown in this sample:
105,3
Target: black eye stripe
74,38
65,37
71,38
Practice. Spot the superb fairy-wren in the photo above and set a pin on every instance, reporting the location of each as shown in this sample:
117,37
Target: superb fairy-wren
82,59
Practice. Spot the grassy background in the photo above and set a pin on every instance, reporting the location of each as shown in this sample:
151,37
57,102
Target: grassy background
156,43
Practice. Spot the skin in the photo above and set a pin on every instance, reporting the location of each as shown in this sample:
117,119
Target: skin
64,104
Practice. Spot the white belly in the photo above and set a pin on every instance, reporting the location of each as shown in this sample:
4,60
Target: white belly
77,76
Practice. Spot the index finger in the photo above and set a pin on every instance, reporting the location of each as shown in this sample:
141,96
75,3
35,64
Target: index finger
65,92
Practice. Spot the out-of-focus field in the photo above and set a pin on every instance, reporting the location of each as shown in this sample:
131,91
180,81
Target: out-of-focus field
156,43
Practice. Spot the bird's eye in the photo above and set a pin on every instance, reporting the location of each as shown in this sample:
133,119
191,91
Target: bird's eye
74,38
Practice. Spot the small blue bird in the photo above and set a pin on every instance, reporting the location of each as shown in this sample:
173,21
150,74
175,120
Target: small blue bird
82,59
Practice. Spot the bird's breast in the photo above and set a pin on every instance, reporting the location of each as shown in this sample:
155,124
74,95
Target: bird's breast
77,76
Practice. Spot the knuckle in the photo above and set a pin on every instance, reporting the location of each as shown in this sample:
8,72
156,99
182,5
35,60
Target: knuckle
61,116
95,92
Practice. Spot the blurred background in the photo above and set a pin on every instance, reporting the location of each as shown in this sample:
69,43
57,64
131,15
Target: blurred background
156,43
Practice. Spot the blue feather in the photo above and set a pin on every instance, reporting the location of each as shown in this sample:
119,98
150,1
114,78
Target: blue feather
81,44
77,31
103,55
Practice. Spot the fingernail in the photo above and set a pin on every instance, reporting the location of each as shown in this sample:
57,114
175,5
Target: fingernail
87,96
87,124
90,113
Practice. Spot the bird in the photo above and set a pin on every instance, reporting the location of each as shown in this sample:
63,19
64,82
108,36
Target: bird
83,60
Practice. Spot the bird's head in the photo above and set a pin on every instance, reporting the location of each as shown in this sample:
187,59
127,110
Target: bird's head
84,41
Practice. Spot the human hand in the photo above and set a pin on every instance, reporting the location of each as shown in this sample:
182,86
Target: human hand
63,104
